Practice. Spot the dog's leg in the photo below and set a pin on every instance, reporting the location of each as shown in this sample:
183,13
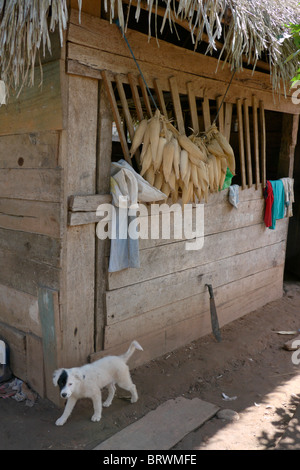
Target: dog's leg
97,403
128,385
111,393
68,410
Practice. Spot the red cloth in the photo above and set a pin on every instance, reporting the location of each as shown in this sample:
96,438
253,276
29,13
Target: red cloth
269,198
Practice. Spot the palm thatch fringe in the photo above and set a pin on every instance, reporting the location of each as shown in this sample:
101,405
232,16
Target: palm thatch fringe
24,34
251,28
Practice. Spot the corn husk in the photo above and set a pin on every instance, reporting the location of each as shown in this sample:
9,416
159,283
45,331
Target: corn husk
168,157
187,177
176,161
166,189
150,175
172,180
145,143
195,154
194,175
184,163
223,171
174,193
138,136
147,160
159,179
223,142
215,148
159,155
154,132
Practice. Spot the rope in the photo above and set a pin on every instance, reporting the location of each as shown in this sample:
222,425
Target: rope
224,97
141,73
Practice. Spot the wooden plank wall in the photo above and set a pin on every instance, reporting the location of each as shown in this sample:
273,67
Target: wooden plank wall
165,304
30,218
30,244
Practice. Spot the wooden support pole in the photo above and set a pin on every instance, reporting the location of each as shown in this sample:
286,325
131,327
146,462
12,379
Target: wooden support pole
248,142
227,120
103,167
193,107
117,118
263,143
241,141
160,97
206,112
177,105
135,96
256,140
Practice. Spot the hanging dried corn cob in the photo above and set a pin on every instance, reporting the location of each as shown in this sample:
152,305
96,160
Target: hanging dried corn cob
182,166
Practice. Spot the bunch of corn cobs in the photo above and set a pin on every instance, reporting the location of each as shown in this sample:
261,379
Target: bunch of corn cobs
180,166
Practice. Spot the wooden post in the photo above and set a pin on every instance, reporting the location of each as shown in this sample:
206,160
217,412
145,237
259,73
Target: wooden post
256,140
193,107
289,133
104,149
177,104
49,318
248,142
78,157
241,141
263,142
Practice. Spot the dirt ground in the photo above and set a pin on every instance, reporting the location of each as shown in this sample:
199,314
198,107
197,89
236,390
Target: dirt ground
249,364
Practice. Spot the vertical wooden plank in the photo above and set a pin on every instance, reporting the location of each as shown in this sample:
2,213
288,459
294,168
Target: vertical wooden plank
145,96
48,311
160,97
290,125
116,114
35,364
125,107
248,142
135,96
104,150
177,105
221,114
255,139
206,112
78,148
193,107
227,120
262,142
241,141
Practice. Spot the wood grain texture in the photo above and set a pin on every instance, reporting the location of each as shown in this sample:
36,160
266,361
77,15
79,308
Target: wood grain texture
38,108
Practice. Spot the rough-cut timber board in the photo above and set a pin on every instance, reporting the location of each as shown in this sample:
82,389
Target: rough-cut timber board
162,428
38,108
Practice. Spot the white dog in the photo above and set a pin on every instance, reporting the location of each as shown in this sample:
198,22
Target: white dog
88,380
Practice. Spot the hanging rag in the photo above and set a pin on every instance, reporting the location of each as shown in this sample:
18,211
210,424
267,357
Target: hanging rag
279,202
127,188
234,195
288,184
269,199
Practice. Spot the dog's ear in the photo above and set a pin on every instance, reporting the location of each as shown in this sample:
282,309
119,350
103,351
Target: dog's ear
56,375
78,374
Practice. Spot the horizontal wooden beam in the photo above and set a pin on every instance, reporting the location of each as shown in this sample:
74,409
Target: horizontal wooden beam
97,45
88,203
82,209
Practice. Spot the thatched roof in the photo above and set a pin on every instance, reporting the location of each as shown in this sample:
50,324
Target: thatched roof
254,29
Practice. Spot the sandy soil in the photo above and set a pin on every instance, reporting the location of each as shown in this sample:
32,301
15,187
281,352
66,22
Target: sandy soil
249,364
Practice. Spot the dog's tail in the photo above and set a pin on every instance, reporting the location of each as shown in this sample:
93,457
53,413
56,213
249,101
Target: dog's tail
134,345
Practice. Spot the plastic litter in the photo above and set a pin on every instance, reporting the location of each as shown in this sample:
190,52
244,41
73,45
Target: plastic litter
227,398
